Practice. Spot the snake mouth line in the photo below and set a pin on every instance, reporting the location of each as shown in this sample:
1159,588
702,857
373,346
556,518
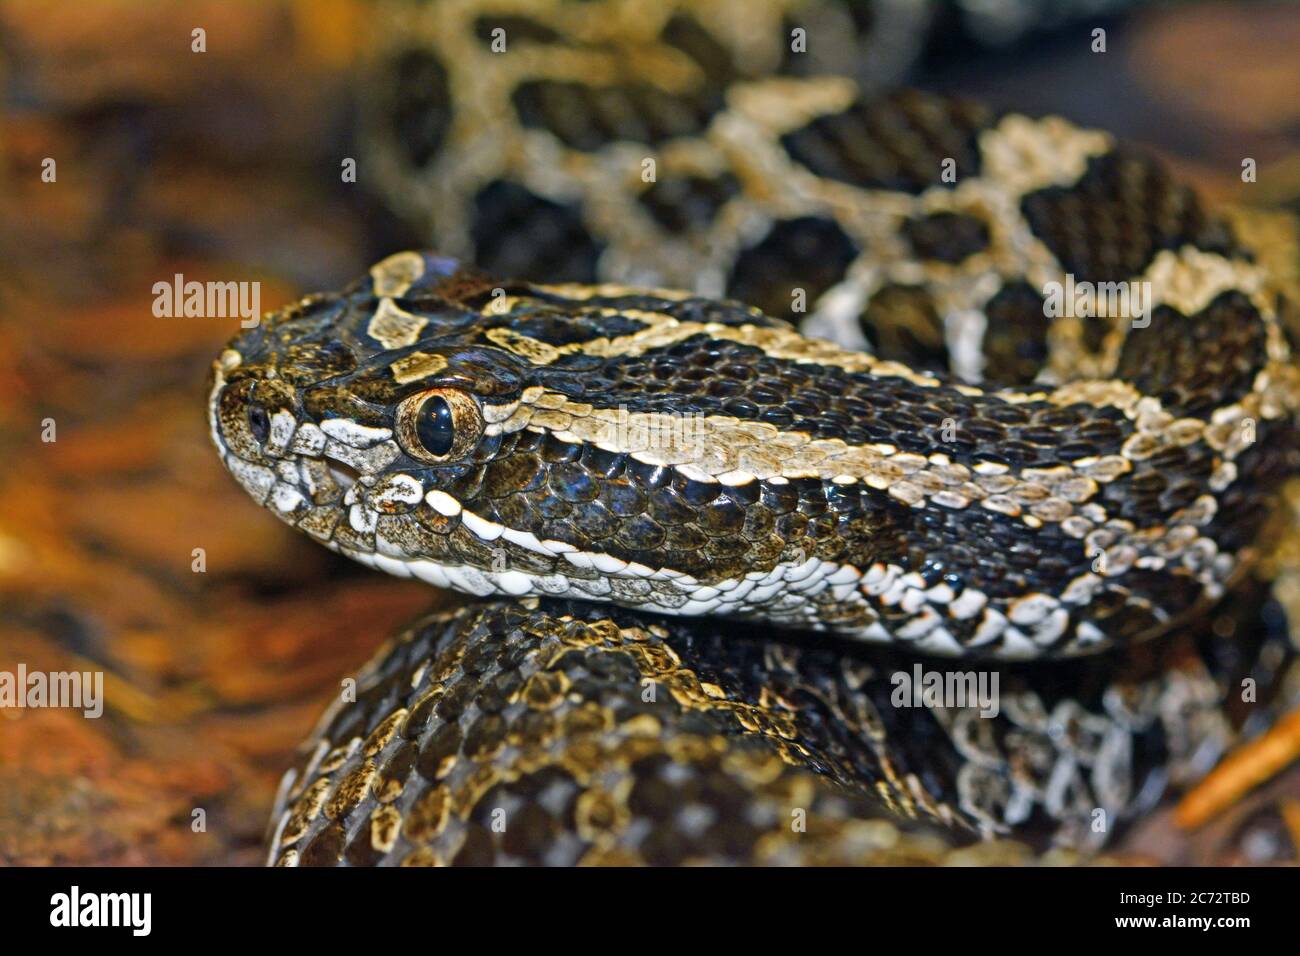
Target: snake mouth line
344,475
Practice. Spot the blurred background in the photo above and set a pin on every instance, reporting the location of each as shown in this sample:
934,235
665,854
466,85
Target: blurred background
225,165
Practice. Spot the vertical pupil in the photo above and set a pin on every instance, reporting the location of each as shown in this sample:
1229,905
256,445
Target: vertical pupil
258,422
435,428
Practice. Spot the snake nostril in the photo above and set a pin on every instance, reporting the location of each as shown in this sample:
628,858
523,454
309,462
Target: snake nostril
259,423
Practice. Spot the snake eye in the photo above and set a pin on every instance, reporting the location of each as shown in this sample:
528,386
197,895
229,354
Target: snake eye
259,423
434,427
440,424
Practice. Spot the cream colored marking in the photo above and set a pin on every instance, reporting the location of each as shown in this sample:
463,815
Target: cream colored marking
579,292
714,447
352,433
780,343
417,365
443,503
780,104
393,276
1023,154
392,327
1189,280
219,369
535,350
283,425
493,414
308,440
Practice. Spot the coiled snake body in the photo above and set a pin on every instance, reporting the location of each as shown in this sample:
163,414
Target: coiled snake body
624,475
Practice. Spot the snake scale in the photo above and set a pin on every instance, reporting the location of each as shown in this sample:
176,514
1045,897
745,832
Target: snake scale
709,548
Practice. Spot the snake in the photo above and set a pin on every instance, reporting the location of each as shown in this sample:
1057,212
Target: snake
931,573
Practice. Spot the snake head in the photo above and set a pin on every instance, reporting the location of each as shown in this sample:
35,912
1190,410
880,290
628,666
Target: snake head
339,408
511,438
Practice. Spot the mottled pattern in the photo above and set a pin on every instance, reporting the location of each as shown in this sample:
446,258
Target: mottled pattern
551,99
1107,226
562,734
897,143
